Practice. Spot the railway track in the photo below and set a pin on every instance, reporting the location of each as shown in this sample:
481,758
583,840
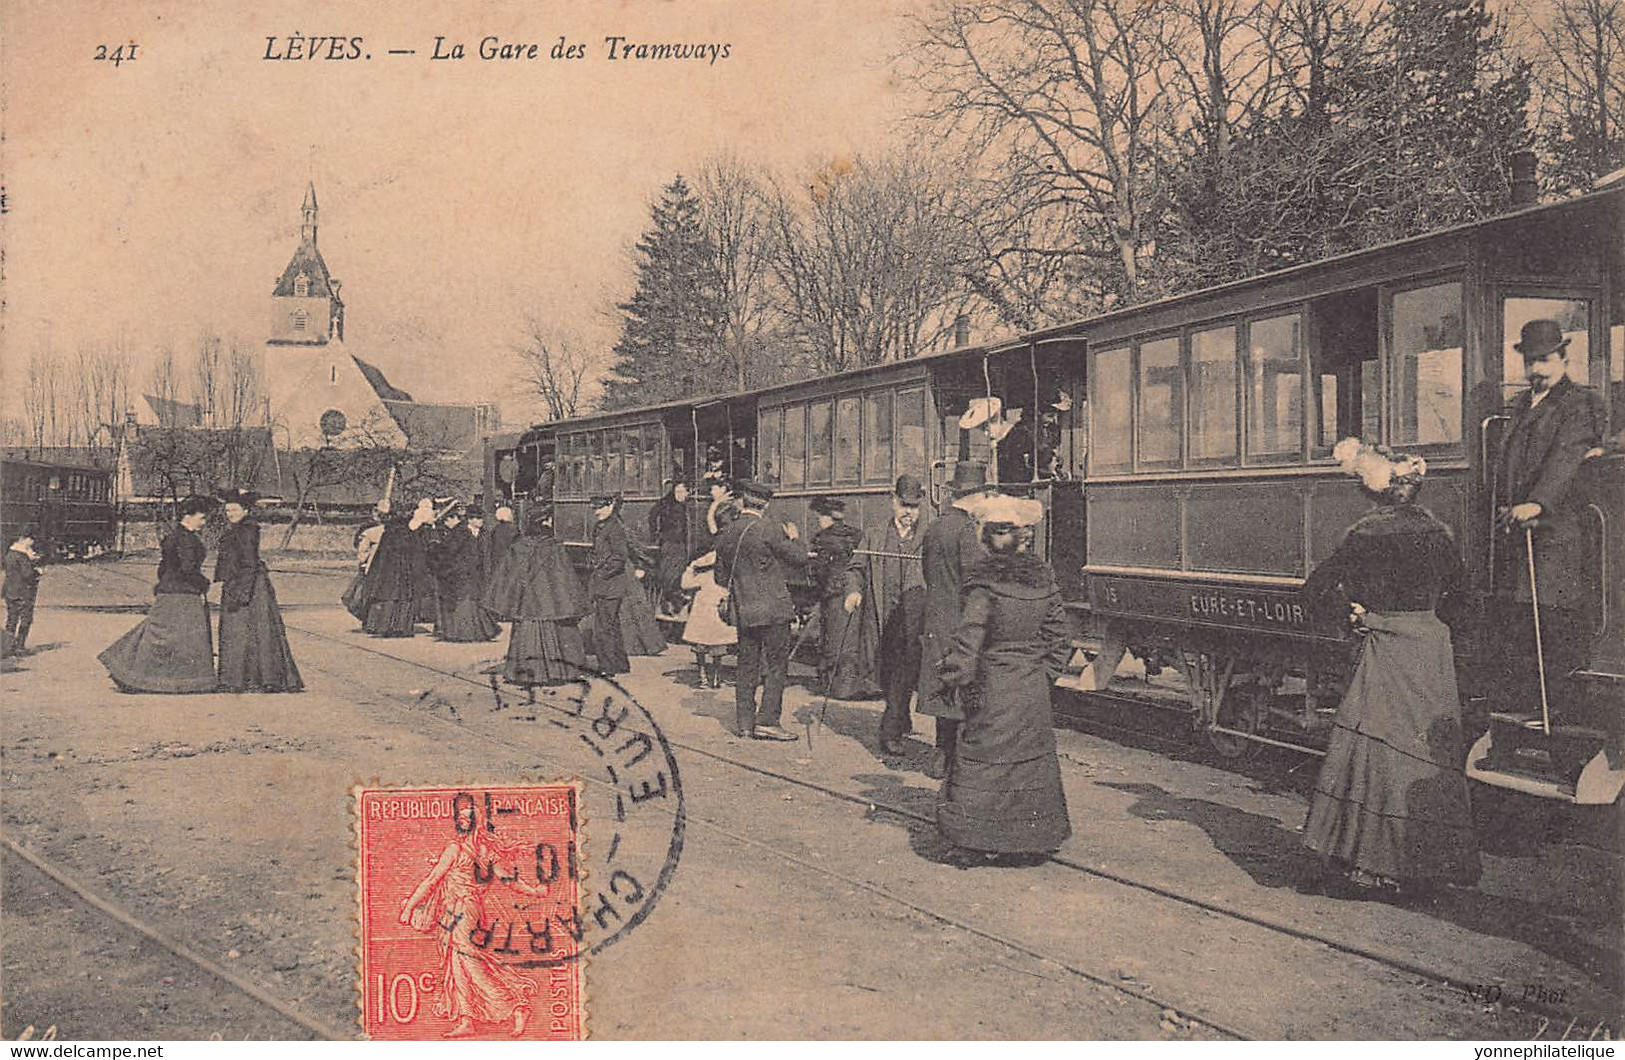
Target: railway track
184,1003
1533,1013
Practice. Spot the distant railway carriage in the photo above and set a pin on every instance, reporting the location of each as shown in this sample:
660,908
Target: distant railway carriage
71,507
1183,451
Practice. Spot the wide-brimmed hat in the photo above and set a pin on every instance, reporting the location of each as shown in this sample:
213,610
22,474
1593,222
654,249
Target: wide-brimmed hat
246,498
909,490
970,476
1539,338
603,500
828,506
754,490
999,509
979,411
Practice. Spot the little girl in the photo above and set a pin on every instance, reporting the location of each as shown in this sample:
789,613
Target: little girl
705,630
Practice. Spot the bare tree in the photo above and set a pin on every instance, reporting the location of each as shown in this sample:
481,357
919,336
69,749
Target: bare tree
736,215
871,260
1577,49
1067,98
101,391
40,396
555,368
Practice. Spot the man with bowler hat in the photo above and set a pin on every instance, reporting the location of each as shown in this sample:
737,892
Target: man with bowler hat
884,579
951,547
607,583
1555,425
751,559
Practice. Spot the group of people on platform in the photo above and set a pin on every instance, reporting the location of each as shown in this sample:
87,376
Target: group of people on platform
173,649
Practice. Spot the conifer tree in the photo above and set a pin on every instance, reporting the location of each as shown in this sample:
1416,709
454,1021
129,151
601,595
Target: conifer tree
672,327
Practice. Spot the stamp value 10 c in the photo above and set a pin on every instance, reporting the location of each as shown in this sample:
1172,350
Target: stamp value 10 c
469,912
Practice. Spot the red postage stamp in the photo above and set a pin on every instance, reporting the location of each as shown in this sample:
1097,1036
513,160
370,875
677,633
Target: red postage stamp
469,910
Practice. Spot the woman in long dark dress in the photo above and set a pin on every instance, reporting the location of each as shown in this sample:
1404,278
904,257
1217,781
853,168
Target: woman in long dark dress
846,646
668,528
454,558
1002,801
535,586
398,587
254,654
1390,807
172,650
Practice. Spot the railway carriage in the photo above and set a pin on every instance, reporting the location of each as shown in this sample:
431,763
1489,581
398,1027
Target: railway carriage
70,506
1183,449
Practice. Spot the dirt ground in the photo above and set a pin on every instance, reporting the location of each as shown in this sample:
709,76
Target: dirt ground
810,899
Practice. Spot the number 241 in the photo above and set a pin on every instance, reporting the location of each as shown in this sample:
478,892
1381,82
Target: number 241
117,55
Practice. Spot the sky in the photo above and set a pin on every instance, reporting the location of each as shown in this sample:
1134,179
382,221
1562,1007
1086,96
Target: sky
160,198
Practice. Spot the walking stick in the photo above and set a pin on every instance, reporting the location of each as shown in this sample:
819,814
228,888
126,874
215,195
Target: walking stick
840,651
1540,653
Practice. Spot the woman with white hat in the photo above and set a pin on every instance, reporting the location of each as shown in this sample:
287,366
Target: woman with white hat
1002,801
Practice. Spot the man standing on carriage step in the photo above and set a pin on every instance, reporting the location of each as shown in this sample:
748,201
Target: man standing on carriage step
1556,424
751,559
884,579
609,581
950,548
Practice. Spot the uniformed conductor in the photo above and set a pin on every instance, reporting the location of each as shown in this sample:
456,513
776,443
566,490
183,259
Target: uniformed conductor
751,558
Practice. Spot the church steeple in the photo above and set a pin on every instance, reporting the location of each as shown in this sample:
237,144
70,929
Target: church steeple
307,228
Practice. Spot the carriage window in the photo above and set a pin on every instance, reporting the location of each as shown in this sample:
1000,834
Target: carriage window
651,459
911,432
632,458
818,442
795,445
613,480
848,430
1346,377
877,436
1573,316
1426,361
1109,418
1274,391
1213,394
1162,402
595,461
768,426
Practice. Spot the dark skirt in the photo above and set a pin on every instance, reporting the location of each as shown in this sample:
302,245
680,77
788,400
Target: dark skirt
1392,795
171,650
640,633
668,572
355,599
846,654
544,653
466,621
391,618
254,654
1004,807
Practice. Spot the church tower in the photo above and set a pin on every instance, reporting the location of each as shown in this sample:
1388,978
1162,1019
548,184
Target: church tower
305,306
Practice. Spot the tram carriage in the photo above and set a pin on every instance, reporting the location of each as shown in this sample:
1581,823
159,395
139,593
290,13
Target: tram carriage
1183,451
70,506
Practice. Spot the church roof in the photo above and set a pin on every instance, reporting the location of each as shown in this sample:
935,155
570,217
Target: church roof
380,385
308,260
171,413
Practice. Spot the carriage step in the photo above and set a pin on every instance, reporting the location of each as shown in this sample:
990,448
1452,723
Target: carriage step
1532,770
1532,723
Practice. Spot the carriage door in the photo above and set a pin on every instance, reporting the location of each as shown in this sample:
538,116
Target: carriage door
1576,314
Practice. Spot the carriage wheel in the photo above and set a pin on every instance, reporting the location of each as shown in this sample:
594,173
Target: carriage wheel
1244,709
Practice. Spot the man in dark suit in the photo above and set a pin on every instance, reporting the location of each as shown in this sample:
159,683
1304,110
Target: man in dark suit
20,590
607,583
884,578
751,558
1555,424
950,548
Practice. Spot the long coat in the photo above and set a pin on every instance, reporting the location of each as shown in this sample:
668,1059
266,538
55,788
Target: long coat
668,528
752,555
495,540
254,652
1539,457
172,649
1003,791
535,585
398,589
885,580
847,644
454,559
952,546
608,564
